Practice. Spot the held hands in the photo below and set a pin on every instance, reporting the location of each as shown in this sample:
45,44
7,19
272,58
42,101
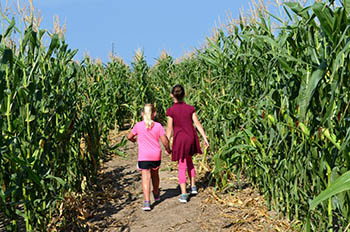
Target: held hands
165,142
131,137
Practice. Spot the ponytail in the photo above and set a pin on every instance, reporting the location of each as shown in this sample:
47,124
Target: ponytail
148,111
178,92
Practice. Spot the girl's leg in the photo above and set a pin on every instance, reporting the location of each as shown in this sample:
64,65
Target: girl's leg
190,170
155,180
146,176
182,175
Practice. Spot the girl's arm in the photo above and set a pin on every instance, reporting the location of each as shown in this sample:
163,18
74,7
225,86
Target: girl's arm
131,137
165,142
169,127
200,128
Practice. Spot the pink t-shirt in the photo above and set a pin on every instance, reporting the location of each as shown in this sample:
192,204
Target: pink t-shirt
148,141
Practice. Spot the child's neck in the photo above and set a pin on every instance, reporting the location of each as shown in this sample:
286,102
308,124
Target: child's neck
177,101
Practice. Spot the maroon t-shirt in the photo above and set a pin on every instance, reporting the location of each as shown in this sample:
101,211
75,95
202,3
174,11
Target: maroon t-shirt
185,141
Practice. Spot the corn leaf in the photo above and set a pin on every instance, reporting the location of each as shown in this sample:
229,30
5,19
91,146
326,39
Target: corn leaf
341,184
324,15
347,7
10,28
298,9
58,179
307,91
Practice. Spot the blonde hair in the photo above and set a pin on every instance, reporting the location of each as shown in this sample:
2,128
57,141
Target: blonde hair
148,111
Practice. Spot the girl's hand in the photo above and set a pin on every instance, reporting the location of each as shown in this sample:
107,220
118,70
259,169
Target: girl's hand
206,143
131,137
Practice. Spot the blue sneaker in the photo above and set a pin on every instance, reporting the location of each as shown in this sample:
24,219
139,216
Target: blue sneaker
146,206
194,190
183,198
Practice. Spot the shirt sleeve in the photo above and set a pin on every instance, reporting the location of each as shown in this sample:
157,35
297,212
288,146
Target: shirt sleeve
169,113
134,130
161,130
193,109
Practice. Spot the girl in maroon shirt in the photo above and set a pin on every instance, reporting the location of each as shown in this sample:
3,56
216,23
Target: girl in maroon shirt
181,118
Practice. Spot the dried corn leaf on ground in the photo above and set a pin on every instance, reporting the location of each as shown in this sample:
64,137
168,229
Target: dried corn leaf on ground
114,204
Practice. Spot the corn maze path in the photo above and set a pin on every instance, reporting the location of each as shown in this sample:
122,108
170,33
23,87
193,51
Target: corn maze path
119,207
114,203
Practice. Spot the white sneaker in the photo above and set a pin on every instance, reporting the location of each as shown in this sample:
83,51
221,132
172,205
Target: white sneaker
146,206
194,190
183,198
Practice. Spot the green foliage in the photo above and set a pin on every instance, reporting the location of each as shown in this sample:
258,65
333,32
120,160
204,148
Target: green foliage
38,135
53,114
275,107
289,100
274,104
340,185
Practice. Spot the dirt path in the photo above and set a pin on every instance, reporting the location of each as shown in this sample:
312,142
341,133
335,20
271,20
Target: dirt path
117,206
125,214
114,203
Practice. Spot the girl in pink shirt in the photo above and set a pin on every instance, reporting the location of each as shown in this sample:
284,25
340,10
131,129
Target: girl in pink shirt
148,133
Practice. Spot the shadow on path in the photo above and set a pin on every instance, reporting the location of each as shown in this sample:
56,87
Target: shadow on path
167,194
113,193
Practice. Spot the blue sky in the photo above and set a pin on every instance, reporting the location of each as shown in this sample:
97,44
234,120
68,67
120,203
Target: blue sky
154,25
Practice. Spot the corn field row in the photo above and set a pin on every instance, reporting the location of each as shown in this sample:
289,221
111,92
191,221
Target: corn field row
274,104
54,113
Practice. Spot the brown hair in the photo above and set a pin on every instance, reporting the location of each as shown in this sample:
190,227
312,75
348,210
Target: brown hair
178,92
